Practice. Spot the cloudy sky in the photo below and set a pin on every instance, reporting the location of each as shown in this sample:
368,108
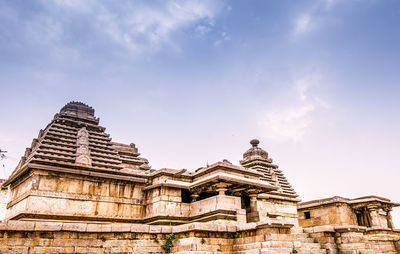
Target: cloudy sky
191,82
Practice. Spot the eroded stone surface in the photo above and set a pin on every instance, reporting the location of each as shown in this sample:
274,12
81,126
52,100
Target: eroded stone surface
76,191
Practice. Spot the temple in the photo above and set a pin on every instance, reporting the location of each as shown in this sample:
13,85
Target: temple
85,193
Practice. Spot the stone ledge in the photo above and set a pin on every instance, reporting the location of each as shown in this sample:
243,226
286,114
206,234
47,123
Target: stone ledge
19,225
15,225
350,228
198,226
247,226
75,227
379,229
319,229
48,226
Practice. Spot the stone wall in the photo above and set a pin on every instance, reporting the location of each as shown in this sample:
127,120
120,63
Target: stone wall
43,193
3,202
166,202
332,214
220,202
355,240
277,210
199,238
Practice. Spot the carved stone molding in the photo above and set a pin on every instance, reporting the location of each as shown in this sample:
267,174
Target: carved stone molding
83,152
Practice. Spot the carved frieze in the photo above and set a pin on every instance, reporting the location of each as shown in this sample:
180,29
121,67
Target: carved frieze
82,151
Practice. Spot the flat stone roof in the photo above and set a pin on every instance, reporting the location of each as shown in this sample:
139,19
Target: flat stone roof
338,199
215,177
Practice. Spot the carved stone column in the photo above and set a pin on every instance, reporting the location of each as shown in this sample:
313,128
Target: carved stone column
221,188
389,217
253,216
373,212
253,202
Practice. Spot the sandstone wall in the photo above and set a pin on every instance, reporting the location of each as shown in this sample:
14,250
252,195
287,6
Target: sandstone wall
355,239
48,194
277,210
221,202
165,202
3,202
332,214
194,238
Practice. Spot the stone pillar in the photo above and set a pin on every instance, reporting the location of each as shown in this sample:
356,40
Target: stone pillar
194,197
253,216
221,188
373,212
389,217
221,191
253,202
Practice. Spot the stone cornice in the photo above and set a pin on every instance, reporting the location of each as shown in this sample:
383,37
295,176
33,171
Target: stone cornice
352,202
80,170
215,177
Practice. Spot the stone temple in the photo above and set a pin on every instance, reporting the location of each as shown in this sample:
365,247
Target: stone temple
77,191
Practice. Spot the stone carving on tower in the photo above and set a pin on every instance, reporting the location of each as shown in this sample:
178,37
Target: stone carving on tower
82,151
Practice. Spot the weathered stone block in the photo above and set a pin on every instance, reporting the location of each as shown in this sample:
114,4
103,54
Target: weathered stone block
48,226
140,228
78,227
121,227
93,227
20,225
166,229
155,229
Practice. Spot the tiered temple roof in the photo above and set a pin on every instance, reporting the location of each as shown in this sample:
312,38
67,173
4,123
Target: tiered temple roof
74,139
257,159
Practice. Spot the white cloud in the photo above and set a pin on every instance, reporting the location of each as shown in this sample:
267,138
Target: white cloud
303,24
288,124
291,122
77,5
312,17
202,29
140,25
224,37
136,27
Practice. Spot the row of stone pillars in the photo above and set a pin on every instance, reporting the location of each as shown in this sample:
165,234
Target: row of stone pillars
369,216
374,210
252,212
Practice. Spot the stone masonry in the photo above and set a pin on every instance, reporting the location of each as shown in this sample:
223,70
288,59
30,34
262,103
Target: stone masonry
77,191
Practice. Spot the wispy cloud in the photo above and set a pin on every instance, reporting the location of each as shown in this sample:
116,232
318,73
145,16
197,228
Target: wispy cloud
138,26
312,17
224,38
290,123
142,26
303,24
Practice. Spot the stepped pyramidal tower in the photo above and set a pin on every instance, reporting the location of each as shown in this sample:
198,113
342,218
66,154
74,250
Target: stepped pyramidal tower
77,191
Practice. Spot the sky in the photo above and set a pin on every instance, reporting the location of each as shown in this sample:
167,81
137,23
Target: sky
192,82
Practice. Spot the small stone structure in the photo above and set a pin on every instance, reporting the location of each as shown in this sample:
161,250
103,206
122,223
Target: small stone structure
76,191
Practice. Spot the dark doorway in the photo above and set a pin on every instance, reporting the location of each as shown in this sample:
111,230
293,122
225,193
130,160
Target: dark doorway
245,200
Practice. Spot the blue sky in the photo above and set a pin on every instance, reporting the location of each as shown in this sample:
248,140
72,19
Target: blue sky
191,82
